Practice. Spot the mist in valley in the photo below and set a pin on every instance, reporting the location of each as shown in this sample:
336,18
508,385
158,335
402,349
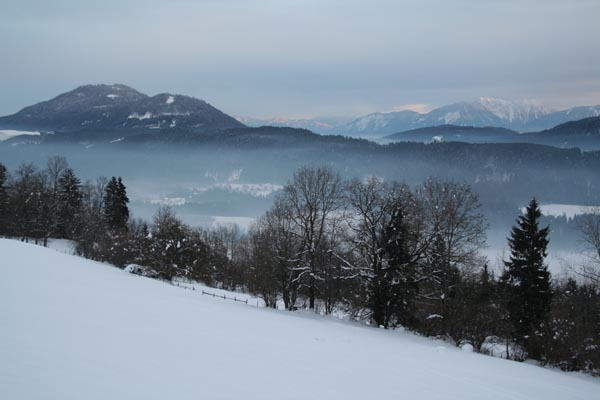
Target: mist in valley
219,184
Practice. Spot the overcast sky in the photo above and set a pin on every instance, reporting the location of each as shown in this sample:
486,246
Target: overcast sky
300,58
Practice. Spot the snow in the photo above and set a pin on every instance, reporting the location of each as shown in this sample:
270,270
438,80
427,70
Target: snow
251,189
169,201
523,111
561,210
9,133
146,115
62,245
451,117
112,96
243,222
558,261
170,100
372,121
73,328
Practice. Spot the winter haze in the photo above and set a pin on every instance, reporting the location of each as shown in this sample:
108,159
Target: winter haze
298,199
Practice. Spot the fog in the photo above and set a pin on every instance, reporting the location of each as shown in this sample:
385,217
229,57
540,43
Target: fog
221,184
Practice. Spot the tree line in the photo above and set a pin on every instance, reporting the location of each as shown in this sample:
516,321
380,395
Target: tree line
376,251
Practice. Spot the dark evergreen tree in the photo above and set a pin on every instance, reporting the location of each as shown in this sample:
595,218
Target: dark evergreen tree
68,205
30,210
116,211
527,280
114,243
575,325
396,286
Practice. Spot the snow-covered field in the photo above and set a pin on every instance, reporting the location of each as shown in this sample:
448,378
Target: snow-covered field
559,261
77,329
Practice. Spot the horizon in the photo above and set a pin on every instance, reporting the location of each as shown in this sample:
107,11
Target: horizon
297,59
418,108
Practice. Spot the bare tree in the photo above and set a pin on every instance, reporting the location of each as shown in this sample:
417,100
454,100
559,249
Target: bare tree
589,229
93,227
389,238
54,169
314,197
276,251
453,212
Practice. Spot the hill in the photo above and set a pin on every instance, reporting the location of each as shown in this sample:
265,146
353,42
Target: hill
587,129
454,133
73,329
118,108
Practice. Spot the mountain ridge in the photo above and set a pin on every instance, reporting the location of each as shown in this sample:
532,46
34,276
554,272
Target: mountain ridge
522,116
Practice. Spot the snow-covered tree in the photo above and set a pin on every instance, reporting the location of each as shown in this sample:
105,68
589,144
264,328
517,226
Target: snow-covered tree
452,213
379,237
314,197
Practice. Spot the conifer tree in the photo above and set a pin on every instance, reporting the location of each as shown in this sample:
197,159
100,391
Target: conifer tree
115,243
69,204
396,287
116,210
527,280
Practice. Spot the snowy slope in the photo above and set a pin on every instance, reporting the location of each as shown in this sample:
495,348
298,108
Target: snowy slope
517,113
76,329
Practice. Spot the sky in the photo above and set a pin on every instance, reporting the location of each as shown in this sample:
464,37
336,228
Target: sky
303,58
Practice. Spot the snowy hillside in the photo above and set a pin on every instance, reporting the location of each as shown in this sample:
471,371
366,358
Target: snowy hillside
516,112
76,329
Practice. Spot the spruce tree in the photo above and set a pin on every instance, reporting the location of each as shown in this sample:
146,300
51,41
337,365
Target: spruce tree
116,211
116,241
69,204
527,280
395,287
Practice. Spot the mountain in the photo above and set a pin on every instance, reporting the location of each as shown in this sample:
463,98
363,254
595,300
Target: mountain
380,123
454,133
86,329
116,111
118,108
463,113
521,116
322,124
584,133
561,117
587,127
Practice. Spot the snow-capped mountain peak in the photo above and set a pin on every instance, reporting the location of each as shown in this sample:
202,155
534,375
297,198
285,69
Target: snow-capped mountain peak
522,111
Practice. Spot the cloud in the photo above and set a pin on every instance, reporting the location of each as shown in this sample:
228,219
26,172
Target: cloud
304,57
